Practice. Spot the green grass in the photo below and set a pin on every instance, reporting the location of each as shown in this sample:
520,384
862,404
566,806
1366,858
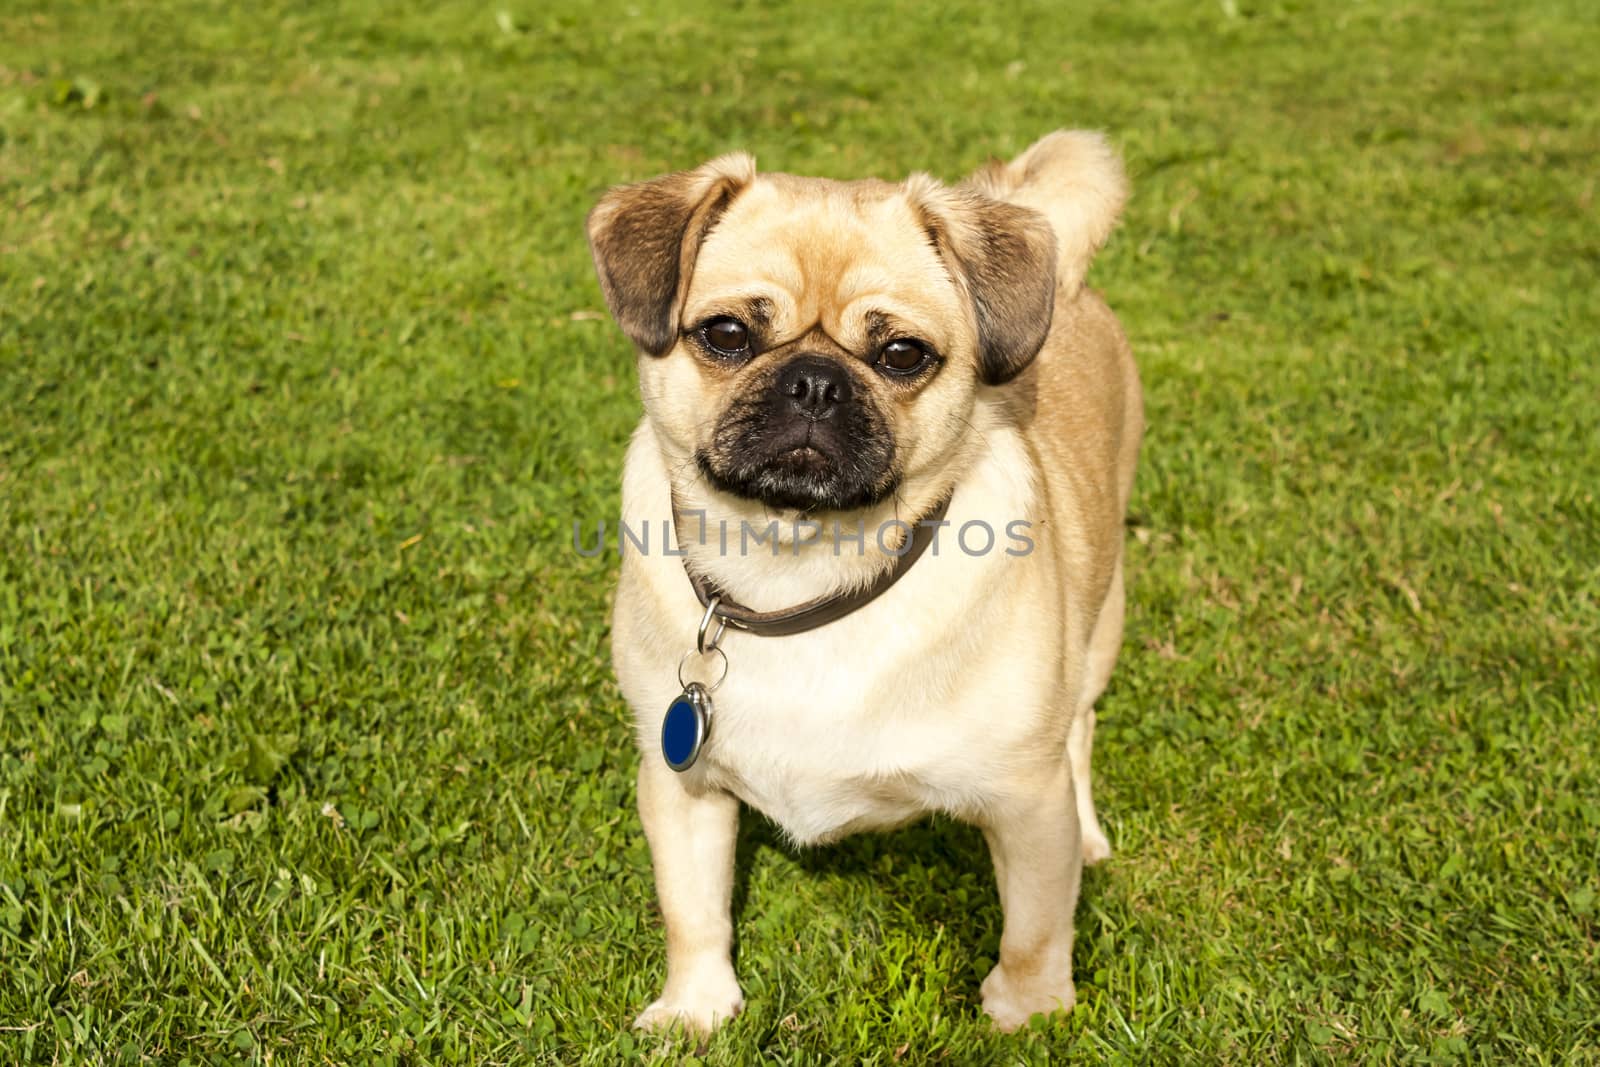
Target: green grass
309,750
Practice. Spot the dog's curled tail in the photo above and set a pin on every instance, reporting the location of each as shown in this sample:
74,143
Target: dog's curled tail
1075,179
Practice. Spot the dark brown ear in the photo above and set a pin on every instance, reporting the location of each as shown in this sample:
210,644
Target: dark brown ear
645,237
1006,257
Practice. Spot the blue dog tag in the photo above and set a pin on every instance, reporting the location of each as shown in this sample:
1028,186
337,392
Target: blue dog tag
685,727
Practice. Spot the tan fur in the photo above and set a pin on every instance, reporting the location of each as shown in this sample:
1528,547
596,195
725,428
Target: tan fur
969,687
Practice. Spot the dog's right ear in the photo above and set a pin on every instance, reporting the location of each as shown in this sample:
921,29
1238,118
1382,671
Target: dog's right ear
645,237
1075,179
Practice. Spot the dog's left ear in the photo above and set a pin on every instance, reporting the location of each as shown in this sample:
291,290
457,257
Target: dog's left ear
645,237
1005,255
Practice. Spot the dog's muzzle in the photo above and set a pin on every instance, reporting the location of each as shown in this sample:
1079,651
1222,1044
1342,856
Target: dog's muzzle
807,440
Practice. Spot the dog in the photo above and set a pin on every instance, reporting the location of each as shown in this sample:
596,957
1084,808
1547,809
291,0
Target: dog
839,367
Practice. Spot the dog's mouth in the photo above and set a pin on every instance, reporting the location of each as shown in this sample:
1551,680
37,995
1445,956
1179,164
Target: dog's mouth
804,471
805,461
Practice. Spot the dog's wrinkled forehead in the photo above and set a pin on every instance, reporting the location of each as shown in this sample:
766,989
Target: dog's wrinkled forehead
809,251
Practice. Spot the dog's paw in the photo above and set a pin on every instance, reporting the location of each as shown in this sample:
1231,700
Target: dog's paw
1010,1004
697,1006
1096,847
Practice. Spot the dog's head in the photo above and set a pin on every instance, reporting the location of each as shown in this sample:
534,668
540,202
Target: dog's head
812,343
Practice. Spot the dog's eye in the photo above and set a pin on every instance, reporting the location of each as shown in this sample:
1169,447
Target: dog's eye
726,335
903,355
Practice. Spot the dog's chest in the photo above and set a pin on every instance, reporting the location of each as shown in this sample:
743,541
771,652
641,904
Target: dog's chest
826,748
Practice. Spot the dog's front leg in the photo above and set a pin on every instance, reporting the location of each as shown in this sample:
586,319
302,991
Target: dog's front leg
692,841
1034,840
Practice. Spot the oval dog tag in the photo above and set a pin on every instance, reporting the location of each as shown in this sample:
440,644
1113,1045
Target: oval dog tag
685,727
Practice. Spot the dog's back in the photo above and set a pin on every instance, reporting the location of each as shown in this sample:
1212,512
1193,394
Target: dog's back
1079,403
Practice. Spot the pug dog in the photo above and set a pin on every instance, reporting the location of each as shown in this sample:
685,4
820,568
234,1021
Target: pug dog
840,368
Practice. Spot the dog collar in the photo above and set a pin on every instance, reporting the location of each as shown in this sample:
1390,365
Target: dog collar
813,613
686,727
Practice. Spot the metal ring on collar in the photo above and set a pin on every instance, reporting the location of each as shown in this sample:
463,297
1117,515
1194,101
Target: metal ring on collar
705,624
712,687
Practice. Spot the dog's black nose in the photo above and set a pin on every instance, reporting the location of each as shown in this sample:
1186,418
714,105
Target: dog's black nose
815,386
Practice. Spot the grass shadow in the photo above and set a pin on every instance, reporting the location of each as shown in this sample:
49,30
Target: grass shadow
947,852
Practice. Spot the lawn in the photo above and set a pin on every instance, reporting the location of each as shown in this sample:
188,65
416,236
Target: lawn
309,748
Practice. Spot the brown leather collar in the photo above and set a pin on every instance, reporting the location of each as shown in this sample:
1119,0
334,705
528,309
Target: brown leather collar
823,609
